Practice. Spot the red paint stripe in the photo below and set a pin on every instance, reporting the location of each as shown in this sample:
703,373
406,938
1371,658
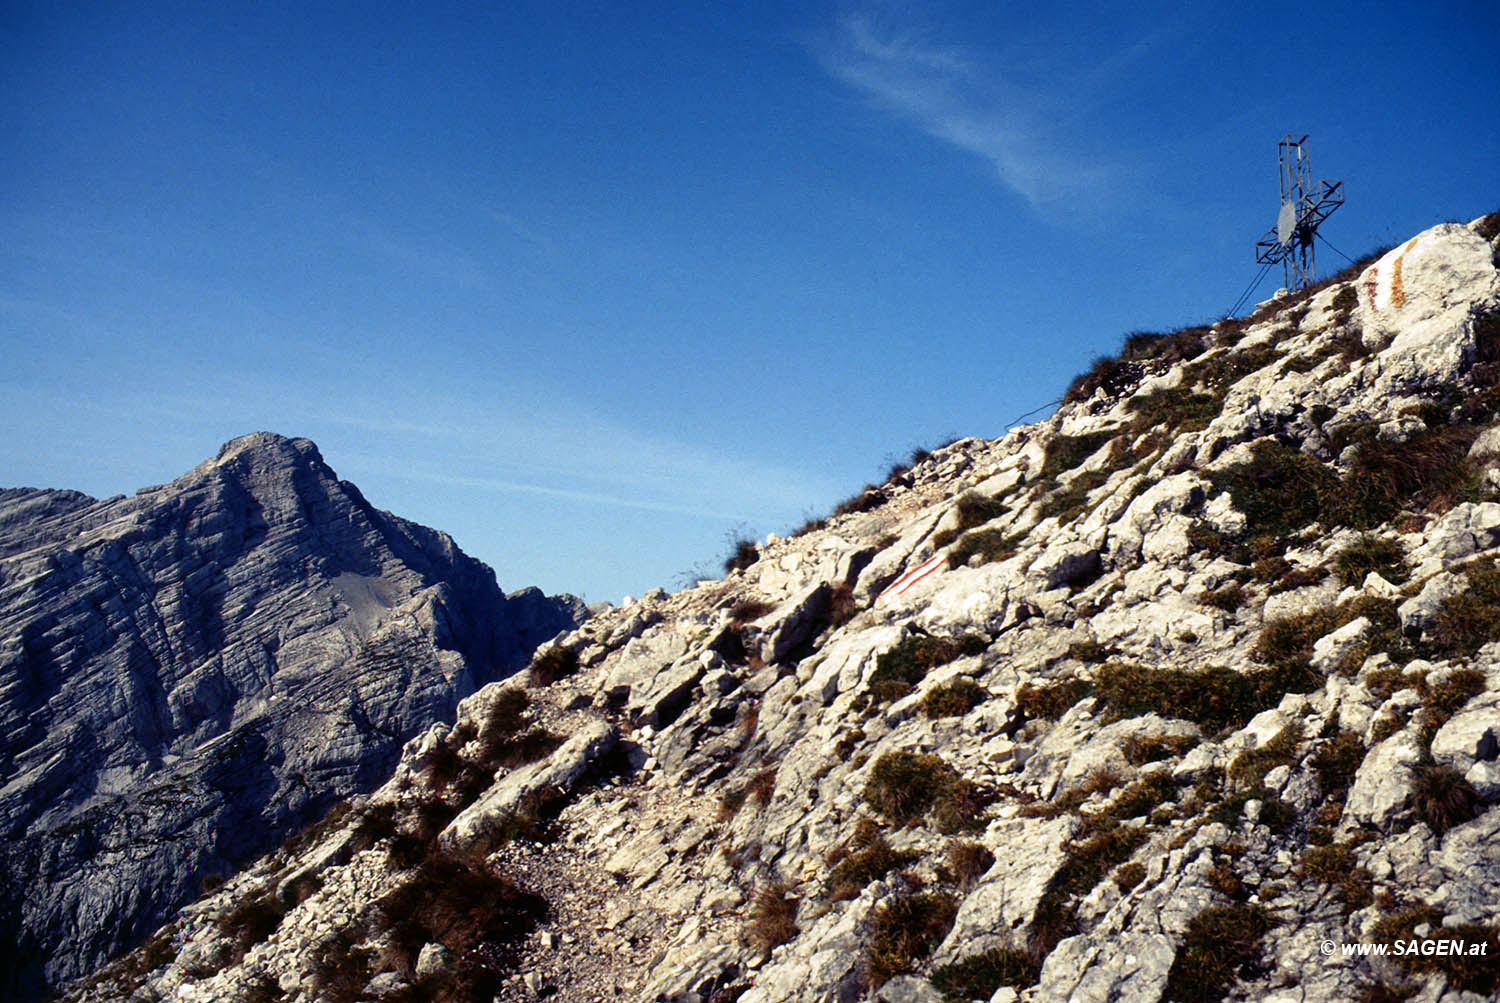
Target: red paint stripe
915,575
936,566
919,571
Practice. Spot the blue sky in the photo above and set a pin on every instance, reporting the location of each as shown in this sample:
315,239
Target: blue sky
594,286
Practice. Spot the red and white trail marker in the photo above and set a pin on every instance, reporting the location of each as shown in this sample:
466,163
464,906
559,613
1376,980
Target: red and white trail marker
915,575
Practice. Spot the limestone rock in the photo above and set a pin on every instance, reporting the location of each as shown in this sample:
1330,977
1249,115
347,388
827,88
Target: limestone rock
1470,736
1418,612
1382,785
999,909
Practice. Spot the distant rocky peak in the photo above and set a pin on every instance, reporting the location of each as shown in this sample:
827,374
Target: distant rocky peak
227,654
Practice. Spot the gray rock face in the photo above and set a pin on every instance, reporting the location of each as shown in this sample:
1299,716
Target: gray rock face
190,673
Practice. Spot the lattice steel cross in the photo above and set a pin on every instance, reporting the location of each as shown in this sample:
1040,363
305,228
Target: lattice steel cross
1304,205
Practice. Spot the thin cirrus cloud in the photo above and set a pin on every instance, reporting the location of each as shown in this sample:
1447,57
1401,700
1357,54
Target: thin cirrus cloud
606,463
953,97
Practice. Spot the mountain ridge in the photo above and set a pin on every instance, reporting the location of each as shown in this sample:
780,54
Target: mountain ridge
1166,697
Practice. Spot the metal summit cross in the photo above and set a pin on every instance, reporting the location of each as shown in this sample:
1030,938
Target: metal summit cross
1303,206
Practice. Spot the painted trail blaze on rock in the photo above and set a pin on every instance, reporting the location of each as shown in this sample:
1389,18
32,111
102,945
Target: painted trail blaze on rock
915,575
1382,281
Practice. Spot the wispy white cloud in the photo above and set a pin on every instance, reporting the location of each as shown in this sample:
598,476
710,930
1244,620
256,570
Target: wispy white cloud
571,454
960,99
523,230
405,471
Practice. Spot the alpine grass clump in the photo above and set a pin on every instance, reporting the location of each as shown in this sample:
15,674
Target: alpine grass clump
1368,553
1088,860
1050,701
480,917
742,554
979,976
989,545
906,931
1442,797
1469,620
774,919
1336,865
553,664
953,699
898,670
967,861
1221,942
972,510
1279,489
1336,761
870,862
905,786
745,610
1142,749
1118,374
1477,971
1214,697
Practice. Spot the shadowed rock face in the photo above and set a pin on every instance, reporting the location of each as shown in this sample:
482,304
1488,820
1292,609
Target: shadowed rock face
188,674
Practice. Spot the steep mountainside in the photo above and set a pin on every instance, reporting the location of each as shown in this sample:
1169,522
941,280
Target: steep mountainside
189,674
1169,697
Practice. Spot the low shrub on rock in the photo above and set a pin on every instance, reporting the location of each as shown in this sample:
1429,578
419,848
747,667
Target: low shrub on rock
898,670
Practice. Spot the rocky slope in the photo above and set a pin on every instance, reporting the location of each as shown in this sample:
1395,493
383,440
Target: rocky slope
190,673
1168,697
